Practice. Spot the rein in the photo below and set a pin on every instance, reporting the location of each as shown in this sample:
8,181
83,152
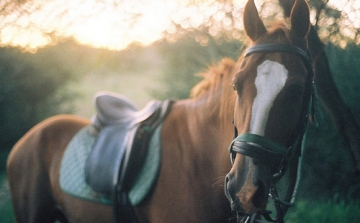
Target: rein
278,157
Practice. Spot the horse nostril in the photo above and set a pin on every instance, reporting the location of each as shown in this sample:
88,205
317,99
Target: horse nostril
226,179
227,189
260,195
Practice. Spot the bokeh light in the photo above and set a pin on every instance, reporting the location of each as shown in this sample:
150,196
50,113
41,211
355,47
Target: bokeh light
116,24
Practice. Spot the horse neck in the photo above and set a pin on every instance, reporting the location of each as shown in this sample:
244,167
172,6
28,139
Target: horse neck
207,133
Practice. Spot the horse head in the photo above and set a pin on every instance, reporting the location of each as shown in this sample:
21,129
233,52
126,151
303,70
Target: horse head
273,86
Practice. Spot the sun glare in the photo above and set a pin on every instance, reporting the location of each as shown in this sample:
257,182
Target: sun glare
109,23
117,24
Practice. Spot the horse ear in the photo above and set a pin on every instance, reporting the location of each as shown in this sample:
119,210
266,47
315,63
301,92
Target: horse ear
300,19
254,26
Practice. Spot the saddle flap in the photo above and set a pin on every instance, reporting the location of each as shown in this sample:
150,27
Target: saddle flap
109,148
120,150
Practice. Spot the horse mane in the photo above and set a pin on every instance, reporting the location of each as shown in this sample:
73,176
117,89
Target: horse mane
278,32
219,76
217,82
213,77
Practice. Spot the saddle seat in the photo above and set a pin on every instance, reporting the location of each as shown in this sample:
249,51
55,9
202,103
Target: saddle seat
123,134
113,108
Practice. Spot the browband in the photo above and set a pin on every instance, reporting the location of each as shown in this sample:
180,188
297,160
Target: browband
282,48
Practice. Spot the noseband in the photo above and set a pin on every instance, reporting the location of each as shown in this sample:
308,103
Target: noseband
277,157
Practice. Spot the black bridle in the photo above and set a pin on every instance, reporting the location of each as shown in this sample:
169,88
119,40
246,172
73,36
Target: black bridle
279,158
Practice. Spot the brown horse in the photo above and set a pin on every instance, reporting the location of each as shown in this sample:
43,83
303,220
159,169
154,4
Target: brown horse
274,87
195,138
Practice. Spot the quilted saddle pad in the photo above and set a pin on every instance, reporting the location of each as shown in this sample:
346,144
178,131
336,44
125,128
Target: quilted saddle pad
72,178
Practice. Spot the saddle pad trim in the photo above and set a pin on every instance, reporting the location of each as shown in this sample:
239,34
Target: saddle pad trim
72,178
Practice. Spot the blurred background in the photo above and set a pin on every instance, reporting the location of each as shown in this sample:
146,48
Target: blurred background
55,55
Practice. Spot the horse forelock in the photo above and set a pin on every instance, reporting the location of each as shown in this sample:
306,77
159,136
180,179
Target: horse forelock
277,33
217,83
280,32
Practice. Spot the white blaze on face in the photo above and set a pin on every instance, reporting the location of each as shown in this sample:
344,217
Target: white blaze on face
270,79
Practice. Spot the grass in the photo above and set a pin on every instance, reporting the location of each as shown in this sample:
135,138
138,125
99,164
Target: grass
6,211
324,212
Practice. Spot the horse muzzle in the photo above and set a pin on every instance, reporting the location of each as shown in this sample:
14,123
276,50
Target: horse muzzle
247,195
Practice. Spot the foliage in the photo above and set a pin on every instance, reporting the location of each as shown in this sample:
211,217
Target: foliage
30,90
3,157
6,210
336,24
345,67
6,213
118,24
185,58
328,167
323,212
35,86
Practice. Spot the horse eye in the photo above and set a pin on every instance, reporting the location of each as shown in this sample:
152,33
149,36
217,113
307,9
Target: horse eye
234,87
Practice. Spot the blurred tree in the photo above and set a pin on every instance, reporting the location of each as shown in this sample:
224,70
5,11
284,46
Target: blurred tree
345,67
334,23
187,57
198,32
116,24
30,90
343,118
